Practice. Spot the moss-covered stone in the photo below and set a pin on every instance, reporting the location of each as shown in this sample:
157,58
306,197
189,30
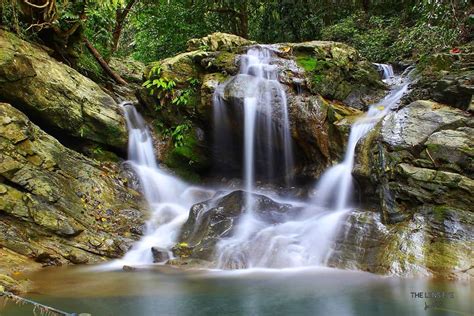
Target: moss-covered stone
188,158
57,206
218,42
337,72
129,69
57,96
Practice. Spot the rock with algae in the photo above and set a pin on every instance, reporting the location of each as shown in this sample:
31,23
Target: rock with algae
57,206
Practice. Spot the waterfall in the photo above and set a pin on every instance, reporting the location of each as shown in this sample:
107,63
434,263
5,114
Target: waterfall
335,186
307,240
169,199
257,98
254,120
386,70
266,133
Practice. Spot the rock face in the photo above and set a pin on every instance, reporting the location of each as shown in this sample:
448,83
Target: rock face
447,78
56,95
57,206
218,41
215,219
415,164
336,71
314,119
419,161
437,241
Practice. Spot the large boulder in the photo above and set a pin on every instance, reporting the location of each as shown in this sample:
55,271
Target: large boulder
338,72
446,78
215,219
56,96
218,42
57,206
437,241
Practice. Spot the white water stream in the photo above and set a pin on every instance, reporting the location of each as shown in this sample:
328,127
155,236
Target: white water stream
302,241
169,198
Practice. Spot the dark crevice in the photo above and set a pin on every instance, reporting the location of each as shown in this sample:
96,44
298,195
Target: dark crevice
78,144
13,185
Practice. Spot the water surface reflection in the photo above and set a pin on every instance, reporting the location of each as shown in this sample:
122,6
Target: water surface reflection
309,291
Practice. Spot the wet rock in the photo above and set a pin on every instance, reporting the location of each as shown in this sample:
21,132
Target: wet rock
320,128
436,241
56,205
218,41
159,254
215,219
57,96
128,268
421,154
446,78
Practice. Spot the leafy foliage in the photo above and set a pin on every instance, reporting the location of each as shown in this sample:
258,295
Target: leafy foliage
161,87
163,27
381,29
178,133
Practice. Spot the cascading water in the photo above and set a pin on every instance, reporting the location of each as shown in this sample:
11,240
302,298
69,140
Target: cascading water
266,131
262,103
169,199
302,241
306,240
386,70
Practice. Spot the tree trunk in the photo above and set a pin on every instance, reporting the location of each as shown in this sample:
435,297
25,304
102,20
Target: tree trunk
120,17
366,5
103,63
244,20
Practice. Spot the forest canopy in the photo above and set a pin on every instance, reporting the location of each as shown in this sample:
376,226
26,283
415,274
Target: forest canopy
147,30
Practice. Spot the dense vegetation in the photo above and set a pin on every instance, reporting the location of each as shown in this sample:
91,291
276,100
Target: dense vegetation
383,30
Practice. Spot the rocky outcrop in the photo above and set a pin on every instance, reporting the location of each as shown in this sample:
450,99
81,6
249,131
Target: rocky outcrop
447,78
316,122
218,42
57,206
336,71
419,161
56,96
414,164
215,219
437,241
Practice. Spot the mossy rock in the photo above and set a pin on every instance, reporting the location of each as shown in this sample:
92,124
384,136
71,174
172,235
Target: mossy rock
56,95
218,42
189,158
59,206
337,72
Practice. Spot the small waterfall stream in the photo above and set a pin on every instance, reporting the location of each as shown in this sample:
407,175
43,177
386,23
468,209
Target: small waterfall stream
303,240
169,198
267,144
386,70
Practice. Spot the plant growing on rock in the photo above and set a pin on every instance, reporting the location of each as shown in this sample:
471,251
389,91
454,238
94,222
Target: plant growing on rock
160,87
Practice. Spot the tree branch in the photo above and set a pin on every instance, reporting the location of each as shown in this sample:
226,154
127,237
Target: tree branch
103,63
40,6
119,20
